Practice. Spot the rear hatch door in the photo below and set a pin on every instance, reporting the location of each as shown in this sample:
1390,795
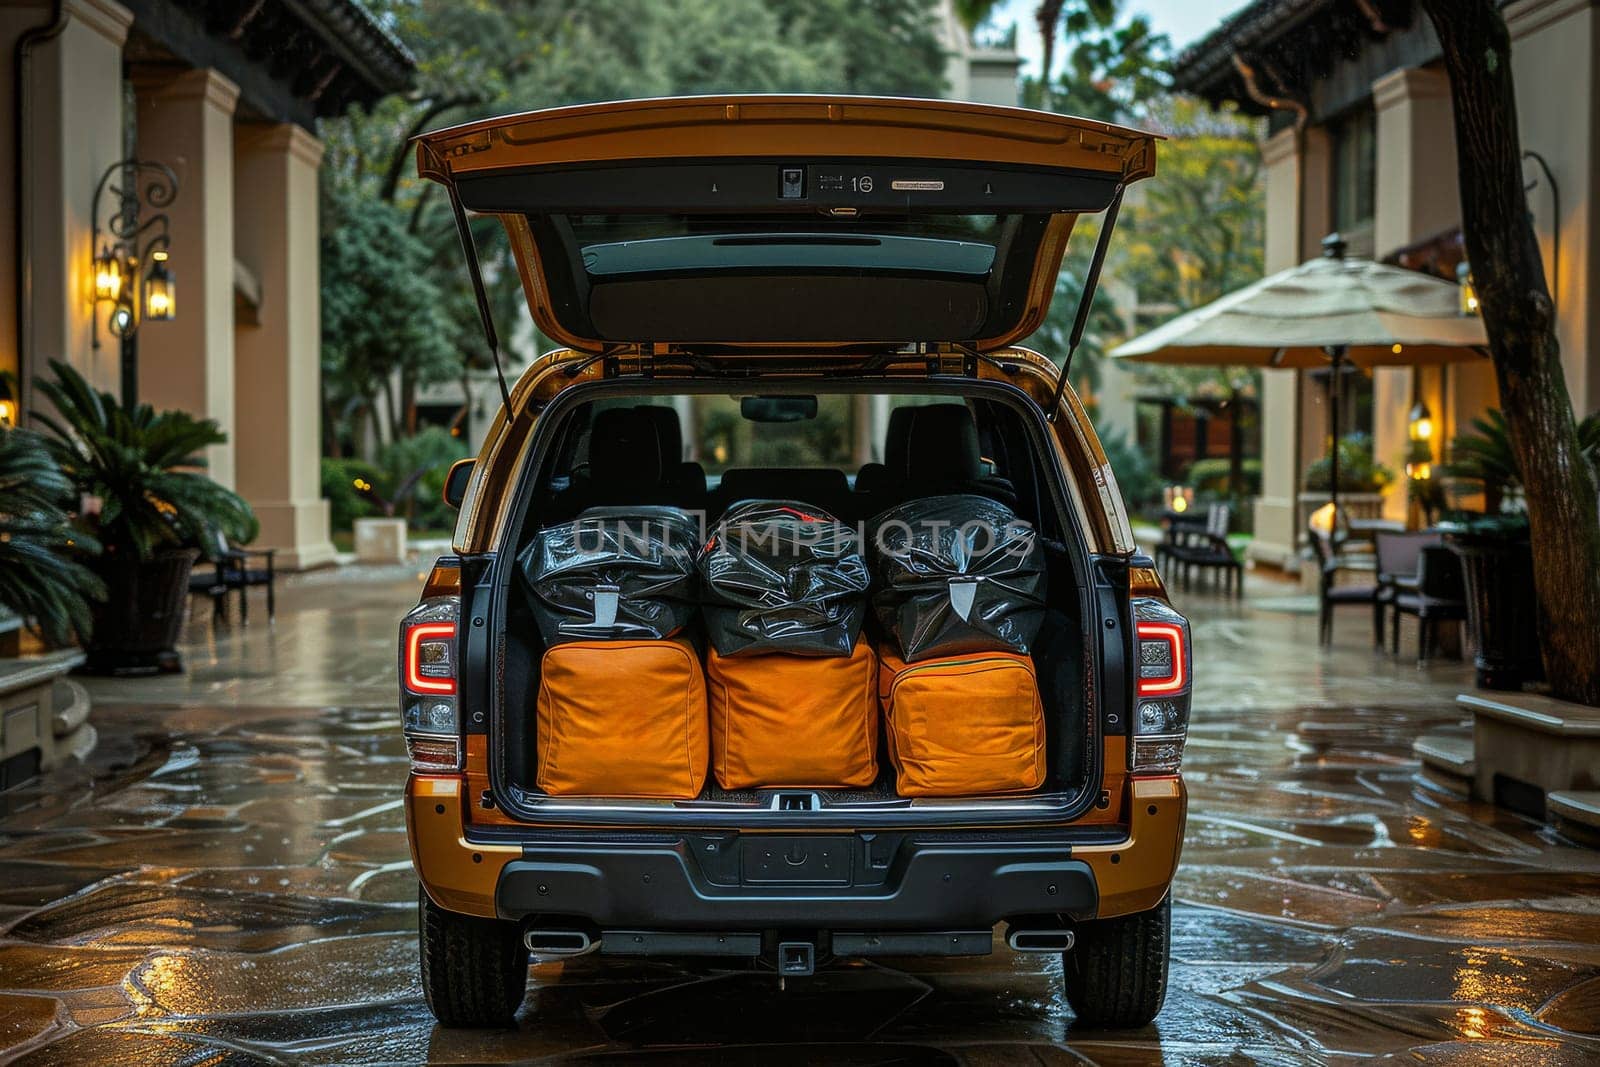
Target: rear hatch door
757,223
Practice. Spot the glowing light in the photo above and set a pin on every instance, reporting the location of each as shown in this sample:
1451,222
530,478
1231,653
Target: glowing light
107,275
160,298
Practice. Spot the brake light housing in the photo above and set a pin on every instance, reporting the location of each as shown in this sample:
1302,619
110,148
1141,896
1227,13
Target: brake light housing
429,709
1164,683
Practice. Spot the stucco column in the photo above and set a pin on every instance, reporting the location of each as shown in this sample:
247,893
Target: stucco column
277,371
186,122
74,132
1275,534
1416,198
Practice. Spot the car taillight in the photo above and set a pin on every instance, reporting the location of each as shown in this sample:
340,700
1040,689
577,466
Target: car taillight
429,711
1164,684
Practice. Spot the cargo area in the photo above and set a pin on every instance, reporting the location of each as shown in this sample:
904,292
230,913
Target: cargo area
805,604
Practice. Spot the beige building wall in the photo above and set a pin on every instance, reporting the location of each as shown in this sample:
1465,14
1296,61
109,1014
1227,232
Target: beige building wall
277,370
1416,198
186,122
74,133
1555,56
1298,212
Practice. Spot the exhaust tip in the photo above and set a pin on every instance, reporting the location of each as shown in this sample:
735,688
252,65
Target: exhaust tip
559,942
1039,940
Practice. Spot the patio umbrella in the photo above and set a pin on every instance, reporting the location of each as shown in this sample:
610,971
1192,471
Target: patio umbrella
1324,313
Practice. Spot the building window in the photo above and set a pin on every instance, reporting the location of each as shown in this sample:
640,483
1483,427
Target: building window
1355,162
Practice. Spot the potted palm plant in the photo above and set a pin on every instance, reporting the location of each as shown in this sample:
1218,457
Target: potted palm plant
1496,551
138,474
42,577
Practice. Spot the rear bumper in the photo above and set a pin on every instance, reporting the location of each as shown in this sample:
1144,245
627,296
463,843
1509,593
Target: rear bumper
924,885
905,880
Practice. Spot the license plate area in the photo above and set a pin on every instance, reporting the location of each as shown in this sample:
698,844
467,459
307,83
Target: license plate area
795,860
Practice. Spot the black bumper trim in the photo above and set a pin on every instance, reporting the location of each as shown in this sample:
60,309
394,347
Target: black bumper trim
929,885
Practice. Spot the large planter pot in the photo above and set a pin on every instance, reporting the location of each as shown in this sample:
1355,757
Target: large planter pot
136,627
1502,611
380,540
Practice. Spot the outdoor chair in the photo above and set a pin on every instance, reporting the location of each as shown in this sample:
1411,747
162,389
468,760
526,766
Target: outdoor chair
1331,594
1440,595
229,567
1177,530
1207,549
206,577
1398,555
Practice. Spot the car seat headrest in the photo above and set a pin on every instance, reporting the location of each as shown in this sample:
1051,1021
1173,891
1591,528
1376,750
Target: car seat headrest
624,448
942,445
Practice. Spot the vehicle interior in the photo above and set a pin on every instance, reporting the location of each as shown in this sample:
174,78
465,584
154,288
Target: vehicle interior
851,453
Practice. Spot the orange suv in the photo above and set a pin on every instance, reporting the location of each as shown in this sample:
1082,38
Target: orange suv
791,317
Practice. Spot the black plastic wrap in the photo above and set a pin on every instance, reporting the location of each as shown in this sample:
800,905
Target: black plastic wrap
957,574
782,576
615,573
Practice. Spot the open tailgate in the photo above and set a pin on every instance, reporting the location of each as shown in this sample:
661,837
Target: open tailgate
740,223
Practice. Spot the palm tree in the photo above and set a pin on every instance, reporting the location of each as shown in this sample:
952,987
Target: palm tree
41,576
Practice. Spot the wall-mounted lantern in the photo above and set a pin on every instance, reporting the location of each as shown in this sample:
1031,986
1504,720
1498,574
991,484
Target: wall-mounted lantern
1419,457
1420,422
132,246
8,413
160,294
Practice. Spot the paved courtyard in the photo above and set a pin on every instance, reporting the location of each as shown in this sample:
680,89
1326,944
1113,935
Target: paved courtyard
228,882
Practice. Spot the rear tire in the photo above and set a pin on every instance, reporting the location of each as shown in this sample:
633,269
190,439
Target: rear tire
1116,973
474,971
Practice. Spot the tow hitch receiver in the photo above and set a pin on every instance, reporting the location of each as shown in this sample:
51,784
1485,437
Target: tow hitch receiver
796,959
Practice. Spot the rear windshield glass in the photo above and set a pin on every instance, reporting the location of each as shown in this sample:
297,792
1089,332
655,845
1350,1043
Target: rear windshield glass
851,454
940,244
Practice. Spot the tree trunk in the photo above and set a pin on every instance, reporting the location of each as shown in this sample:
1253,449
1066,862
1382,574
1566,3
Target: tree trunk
1048,16
1559,486
408,402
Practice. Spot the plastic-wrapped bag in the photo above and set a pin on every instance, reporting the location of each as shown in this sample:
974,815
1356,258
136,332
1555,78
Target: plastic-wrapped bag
616,573
782,576
956,574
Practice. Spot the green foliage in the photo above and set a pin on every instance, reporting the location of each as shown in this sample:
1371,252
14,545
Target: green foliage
414,470
1484,457
383,314
42,577
1359,472
1213,476
398,312
144,468
1136,475
1113,62
1194,233
347,503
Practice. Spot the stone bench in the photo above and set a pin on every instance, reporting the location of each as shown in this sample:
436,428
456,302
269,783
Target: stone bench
1527,747
43,716
1577,807
1448,760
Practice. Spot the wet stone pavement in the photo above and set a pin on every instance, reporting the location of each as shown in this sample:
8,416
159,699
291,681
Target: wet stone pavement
227,881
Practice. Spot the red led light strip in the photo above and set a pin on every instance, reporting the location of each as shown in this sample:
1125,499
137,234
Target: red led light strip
414,638
1171,633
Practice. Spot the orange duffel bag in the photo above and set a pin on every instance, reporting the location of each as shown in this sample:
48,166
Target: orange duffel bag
622,718
963,725
784,720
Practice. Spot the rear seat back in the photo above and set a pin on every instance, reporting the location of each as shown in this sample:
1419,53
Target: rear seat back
624,464
682,476
826,488
942,456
